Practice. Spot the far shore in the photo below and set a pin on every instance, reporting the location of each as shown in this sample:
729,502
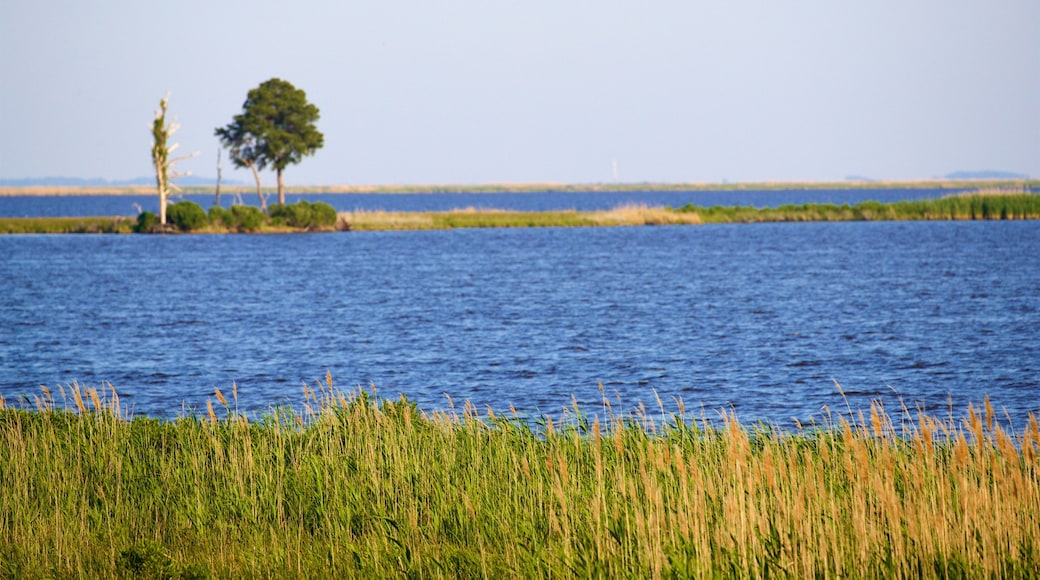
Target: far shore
535,187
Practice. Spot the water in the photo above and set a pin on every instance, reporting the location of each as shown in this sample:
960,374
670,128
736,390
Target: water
761,318
128,205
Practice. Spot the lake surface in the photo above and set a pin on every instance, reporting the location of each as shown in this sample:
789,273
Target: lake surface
758,318
127,205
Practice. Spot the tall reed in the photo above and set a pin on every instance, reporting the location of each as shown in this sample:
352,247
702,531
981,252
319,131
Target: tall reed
350,485
625,215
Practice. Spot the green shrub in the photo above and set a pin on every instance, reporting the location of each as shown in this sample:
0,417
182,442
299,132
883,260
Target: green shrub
219,216
246,218
303,215
324,214
187,216
279,214
146,222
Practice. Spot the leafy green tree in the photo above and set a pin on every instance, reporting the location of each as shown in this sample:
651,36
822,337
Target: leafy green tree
275,129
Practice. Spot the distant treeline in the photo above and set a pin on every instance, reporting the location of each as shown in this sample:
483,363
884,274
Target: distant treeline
61,182
128,188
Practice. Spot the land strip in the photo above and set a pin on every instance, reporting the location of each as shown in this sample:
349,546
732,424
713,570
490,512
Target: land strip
543,187
992,205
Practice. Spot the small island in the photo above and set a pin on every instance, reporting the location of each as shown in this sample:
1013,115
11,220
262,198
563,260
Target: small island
188,217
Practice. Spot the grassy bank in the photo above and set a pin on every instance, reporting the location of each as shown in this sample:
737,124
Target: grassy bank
352,487
67,225
978,206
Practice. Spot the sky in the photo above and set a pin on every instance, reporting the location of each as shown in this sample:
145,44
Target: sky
483,91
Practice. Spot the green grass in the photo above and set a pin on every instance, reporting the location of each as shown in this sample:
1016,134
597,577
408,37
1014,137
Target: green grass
350,486
980,206
66,225
976,206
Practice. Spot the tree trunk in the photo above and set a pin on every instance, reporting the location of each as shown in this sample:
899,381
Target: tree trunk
160,155
163,197
281,188
164,194
259,192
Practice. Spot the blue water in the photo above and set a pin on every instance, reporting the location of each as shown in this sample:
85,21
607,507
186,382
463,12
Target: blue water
758,318
128,205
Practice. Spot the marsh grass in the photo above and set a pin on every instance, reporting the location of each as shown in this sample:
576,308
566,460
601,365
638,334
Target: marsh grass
989,204
986,204
626,215
66,225
352,486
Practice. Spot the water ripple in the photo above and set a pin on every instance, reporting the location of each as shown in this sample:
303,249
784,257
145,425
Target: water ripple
760,319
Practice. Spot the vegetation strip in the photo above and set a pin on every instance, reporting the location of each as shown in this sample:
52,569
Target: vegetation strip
304,216
995,205
350,486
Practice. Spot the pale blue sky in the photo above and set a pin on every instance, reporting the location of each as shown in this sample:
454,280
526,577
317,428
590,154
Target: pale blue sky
476,91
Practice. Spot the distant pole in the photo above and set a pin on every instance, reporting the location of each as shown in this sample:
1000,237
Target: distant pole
615,170
218,178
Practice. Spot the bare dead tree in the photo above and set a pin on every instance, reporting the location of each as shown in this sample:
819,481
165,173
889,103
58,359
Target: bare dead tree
161,150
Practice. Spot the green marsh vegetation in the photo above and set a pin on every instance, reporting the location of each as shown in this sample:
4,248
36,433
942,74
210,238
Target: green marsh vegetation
303,216
985,205
981,205
353,486
66,225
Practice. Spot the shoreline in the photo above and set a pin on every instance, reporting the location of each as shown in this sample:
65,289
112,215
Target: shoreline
963,207
533,187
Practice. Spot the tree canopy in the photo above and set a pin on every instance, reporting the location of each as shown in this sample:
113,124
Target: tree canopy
275,129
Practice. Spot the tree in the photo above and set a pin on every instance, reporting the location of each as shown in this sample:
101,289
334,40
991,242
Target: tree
161,133
275,129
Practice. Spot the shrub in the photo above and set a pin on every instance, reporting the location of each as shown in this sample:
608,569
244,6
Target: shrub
219,216
146,222
187,215
324,214
280,214
303,214
246,218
